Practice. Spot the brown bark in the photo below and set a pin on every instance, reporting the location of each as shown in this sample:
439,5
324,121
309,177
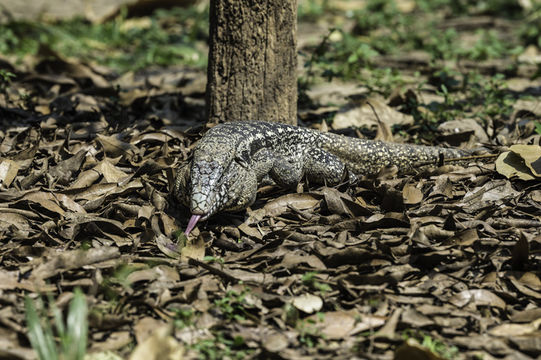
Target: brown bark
252,61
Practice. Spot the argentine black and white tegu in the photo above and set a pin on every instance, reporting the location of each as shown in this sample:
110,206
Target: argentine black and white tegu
232,159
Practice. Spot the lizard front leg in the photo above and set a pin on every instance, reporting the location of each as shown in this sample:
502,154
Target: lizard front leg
318,165
284,171
180,187
240,191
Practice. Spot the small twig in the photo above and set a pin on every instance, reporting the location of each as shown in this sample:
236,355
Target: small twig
212,269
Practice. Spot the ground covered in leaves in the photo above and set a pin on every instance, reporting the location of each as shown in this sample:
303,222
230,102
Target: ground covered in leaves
444,263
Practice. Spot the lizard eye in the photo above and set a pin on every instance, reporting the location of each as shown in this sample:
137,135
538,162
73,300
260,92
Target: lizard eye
243,159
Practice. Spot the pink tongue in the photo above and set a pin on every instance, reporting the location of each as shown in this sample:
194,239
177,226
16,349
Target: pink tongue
191,224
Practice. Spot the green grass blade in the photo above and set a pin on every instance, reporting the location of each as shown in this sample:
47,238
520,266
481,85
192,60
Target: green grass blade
57,315
41,339
77,327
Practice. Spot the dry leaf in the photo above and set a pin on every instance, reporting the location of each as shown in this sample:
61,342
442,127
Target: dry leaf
531,154
511,165
110,173
335,324
160,345
282,204
364,115
411,349
412,195
515,329
114,147
8,172
275,342
477,297
307,303
195,248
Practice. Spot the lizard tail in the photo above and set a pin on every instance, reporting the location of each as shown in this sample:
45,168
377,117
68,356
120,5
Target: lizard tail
368,157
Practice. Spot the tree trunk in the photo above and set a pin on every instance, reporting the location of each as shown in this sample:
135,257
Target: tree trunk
252,61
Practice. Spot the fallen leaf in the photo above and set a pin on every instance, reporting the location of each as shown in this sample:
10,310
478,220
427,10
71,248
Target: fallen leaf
531,154
411,349
336,324
160,345
275,342
412,195
307,303
8,172
478,297
515,329
114,147
299,201
463,126
110,173
367,116
195,248
511,165
73,259
146,327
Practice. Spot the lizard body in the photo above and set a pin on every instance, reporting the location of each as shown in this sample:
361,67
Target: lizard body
232,159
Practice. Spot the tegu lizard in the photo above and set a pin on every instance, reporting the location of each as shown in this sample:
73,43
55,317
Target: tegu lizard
232,159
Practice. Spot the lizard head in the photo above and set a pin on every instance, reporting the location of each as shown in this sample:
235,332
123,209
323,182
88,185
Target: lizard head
199,187
217,179
207,187
206,183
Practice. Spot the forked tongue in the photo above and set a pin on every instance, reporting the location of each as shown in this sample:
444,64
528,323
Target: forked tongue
191,224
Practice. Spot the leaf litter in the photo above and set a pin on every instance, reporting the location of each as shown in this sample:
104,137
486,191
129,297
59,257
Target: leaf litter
385,269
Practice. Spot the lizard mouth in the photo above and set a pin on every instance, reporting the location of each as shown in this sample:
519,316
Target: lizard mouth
191,224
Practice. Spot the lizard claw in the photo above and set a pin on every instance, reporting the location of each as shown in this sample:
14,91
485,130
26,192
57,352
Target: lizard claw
191,224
